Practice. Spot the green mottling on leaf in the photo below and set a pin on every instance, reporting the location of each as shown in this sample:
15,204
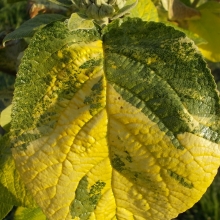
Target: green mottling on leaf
95,192
50,82
168,79
86,199
157,91
90,63
183,181
95,98
128,157
26,138
117,163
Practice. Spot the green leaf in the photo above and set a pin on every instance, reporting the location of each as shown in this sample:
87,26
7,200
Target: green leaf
4,209
76,22
30,214
119,126
145,10
28,28
12,189
207,28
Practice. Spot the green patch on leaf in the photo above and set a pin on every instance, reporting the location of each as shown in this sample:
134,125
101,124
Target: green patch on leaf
95,98
117,163
86,199
180,179
90,63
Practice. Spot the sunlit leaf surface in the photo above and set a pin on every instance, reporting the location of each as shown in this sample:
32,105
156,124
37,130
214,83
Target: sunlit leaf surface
119,126
12,189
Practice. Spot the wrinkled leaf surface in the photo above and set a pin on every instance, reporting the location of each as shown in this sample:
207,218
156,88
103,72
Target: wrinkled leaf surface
12,190
119,126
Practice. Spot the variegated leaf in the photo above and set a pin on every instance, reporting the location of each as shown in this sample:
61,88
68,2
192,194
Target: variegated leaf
119,126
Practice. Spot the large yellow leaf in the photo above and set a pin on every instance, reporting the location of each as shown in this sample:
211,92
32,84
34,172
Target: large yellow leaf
119,126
